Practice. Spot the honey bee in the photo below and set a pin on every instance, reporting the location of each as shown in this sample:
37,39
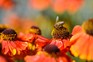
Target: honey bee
59,31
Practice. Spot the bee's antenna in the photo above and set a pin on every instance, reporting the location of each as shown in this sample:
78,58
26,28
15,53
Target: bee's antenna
57,18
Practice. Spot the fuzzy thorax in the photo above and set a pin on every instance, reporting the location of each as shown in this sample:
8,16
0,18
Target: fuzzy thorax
59,31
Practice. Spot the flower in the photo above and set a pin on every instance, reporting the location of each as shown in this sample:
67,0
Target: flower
18,23
81,40
10,44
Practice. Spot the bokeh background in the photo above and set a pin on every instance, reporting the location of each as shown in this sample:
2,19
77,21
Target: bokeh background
21,14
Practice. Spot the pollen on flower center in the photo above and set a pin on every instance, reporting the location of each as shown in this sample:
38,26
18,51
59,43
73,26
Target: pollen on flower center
35,30
88,26
8,34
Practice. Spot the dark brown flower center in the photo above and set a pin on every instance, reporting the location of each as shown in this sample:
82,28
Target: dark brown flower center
51,48
35,30
88,26
8,34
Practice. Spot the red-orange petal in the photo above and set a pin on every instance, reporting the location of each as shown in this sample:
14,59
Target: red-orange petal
2,59
12,48
26,37
39,58
5,48
66,43
58,43
21,45
41,41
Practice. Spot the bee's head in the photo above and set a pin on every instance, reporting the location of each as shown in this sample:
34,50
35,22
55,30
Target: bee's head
59,25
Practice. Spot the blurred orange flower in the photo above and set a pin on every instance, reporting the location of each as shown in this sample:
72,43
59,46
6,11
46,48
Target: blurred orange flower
59,6
82,40
18,23
6,4
71,6
40,4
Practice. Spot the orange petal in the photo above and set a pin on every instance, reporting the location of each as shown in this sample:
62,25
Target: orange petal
90,54
75,37
85,50
77,47
21,45
76,29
